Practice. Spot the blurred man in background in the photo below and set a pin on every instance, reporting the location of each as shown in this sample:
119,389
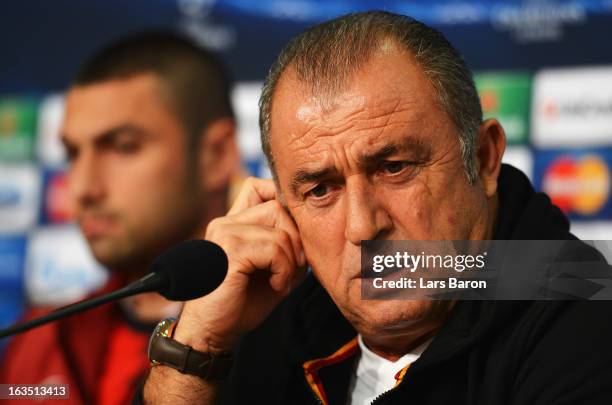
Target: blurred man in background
150,136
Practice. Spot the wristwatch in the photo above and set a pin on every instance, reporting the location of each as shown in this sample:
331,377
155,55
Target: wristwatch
163,349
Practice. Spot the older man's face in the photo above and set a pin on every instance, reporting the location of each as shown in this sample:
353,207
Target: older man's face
378,160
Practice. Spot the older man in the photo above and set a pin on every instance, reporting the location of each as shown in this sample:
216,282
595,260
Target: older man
373,129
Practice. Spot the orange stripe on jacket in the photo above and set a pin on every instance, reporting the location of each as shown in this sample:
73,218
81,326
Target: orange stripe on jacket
312,367
399,376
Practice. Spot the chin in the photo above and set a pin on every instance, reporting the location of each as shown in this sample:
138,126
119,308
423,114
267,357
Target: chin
376,316
108,254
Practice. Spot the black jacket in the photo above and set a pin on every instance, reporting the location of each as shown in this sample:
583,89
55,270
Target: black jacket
488,352
504,352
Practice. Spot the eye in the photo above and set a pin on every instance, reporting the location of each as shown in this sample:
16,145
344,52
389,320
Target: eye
125,145
319,191
71,153
394,167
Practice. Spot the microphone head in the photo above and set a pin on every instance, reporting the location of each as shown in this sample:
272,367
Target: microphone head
190,269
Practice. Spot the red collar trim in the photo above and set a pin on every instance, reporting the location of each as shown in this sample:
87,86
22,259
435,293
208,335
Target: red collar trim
312,367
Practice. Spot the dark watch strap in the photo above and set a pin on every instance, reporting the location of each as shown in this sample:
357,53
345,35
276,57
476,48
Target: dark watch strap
169,352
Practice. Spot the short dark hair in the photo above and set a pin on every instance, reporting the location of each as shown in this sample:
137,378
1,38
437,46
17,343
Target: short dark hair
195,81
324,57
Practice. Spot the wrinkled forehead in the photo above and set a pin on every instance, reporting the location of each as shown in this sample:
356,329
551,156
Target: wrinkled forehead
388,97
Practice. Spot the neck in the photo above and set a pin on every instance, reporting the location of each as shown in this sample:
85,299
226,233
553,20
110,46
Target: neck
396,343
394,355
151,307
216,206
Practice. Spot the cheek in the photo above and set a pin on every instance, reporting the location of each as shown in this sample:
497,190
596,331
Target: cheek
323,241
413,212
437,205
159,212
438,213
156,166
148,187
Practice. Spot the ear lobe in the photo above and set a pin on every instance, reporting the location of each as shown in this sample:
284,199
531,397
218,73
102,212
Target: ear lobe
491,147
218,155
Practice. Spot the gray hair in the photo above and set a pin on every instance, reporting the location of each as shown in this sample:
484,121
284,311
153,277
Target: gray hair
324,56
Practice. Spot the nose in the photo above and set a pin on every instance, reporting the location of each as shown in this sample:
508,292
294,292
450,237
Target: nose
366,217
85,182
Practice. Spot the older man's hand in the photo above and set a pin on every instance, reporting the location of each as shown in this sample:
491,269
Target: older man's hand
265,262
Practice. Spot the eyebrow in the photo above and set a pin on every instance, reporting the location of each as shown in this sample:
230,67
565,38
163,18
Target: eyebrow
406,144
366,159
108,135
304,176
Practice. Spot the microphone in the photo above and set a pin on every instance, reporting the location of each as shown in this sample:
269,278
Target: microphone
184,272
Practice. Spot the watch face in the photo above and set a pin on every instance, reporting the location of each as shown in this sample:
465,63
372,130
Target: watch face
163,329
153,336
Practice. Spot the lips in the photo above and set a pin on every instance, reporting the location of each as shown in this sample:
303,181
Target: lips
96,226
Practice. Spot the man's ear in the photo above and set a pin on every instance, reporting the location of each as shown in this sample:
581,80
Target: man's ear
491,147
219,159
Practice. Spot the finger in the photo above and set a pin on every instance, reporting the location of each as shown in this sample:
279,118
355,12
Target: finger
237,240
266,253
273,214
264,234
254,191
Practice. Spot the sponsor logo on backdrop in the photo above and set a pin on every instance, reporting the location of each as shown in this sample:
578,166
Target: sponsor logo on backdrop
505,96
537,21
581,185
196,22
554,110
572,107
19,198
245,99
12,257
17,128
48,145
57,205
9,197
59,266
578,183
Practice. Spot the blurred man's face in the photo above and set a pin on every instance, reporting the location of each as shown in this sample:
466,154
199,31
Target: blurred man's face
379,159
129,173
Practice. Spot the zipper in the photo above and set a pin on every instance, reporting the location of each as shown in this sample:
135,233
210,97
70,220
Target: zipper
397,384
315,396
382,396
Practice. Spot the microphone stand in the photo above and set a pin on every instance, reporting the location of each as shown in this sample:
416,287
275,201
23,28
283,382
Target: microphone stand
150,282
